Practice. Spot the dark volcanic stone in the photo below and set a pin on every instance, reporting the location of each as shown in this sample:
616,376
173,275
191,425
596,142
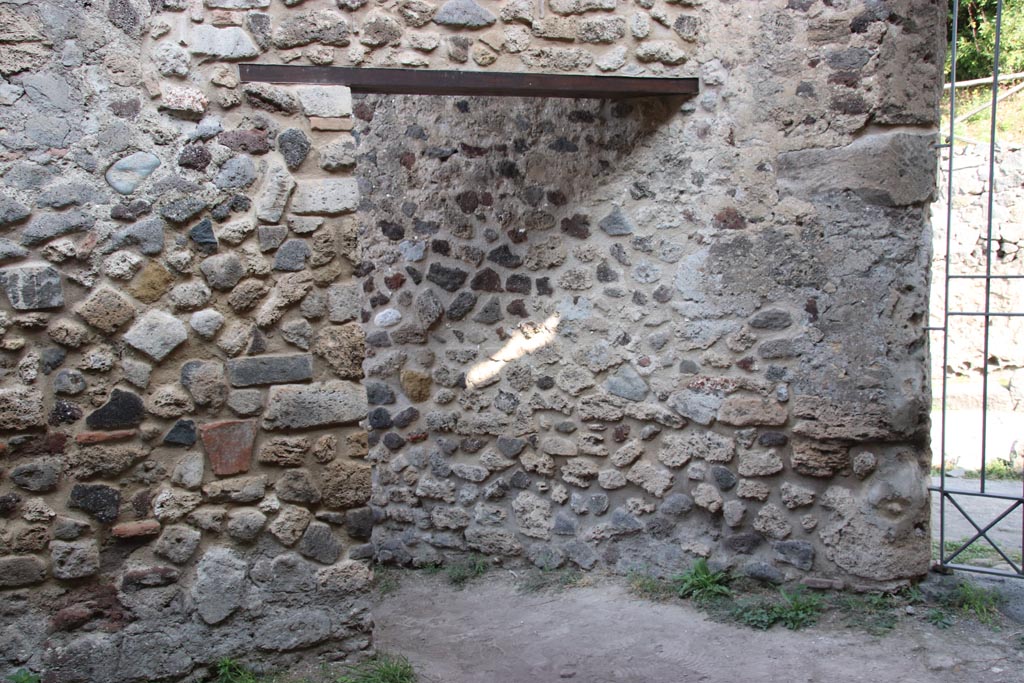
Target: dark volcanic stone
51,358
8,504
486,280
237,204
248,141
100,501
393,231
517,307
723,477
772,439
606,273
270,369
393,441
576,226
505,257
64,413
195,156
121,411
544,286
359,523
182,210
662,294
490,313
448,279
379,418
183,433
461,306
130,211
379,394
744,543
406,417
468,201
294,147
771,319
202,235
510,447
519,284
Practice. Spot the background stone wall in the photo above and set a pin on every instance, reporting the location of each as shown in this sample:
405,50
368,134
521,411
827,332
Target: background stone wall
968,247
601,333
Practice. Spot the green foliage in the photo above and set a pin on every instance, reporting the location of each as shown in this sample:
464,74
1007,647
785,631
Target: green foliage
385,579
701,584
538,580
382,668
651,587
976,36
461,572
23,676
799,609
795,611
230,671
981,603
938,618
874,613
759,615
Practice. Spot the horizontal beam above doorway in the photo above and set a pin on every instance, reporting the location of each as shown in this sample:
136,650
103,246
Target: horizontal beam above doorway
468,83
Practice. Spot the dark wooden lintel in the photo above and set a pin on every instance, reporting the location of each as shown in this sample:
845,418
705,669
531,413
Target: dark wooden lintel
468,83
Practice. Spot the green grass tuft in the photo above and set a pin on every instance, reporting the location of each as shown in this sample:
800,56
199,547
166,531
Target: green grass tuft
539,580
795,611
386,579
701,584
23,676
980,603
938,618
462,571
231,671
650,587
382,668
874,613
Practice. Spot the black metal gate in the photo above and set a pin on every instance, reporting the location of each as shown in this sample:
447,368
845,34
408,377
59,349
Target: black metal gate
973,515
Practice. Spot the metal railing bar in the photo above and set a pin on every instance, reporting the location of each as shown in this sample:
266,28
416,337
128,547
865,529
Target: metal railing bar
982,277
984,570
945,301
989,220
983,533
987,314
974,494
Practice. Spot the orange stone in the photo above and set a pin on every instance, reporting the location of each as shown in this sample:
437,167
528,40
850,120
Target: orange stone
139,529
228,445
101,437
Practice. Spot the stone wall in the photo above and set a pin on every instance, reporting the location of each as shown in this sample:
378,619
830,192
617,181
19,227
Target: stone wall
612,334
968,251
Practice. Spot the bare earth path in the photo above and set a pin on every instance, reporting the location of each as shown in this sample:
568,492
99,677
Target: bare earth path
492,633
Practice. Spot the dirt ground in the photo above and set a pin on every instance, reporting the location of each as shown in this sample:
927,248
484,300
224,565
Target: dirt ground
492,632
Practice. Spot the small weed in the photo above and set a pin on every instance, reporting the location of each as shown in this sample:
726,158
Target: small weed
799,609
873,613
23,676
431,569
938,618
382,668
385,579
981,603
912,595
461,572
796,611
538,580
760,615
651,587
230,671
701,584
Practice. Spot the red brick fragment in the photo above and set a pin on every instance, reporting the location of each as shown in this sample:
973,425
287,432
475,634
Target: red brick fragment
228,445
